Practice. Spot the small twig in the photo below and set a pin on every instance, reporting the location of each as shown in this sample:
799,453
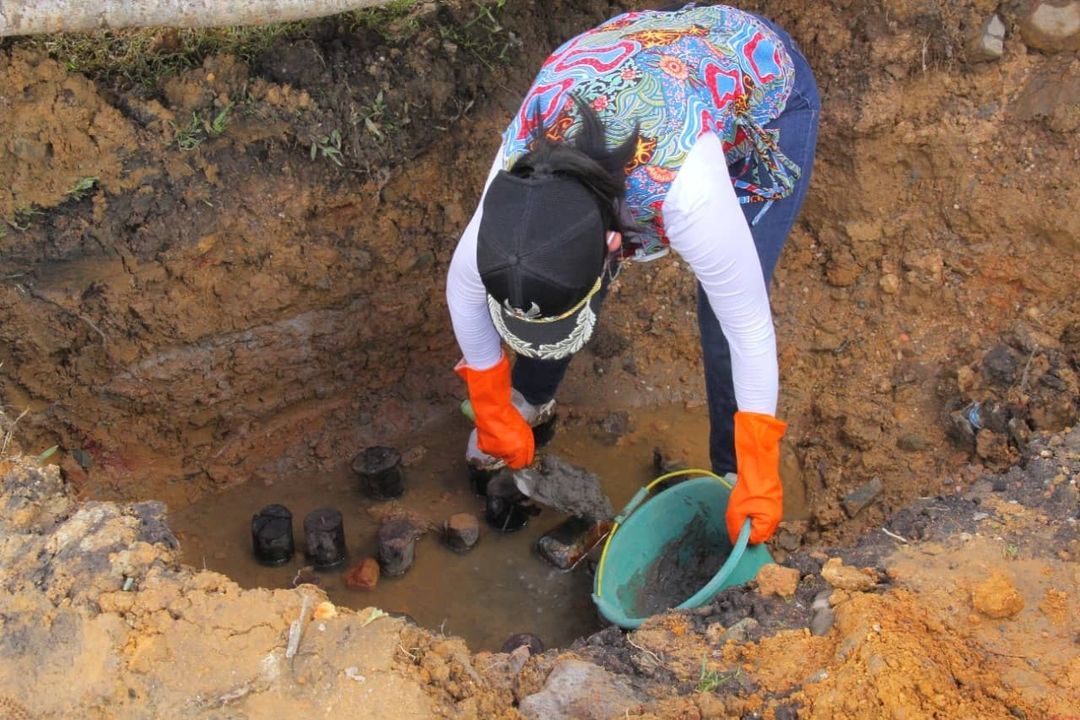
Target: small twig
409,654
296,629
659,660
1008,655
10,433
894,536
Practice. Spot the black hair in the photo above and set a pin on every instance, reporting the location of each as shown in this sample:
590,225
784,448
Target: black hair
587,159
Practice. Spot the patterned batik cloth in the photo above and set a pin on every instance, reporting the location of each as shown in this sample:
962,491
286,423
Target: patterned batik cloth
673,75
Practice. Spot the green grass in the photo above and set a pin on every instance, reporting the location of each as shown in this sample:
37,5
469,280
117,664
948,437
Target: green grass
82,188
191,135
145,56
389,20
712,680
482,35
328,146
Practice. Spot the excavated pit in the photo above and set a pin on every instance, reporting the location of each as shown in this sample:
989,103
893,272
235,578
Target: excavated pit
200,312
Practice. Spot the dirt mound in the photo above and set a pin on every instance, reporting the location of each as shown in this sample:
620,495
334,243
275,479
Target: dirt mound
96,608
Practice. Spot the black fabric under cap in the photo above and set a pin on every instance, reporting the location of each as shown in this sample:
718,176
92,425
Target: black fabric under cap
541,240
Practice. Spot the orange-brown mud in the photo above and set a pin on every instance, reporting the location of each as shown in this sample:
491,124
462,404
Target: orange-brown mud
190,301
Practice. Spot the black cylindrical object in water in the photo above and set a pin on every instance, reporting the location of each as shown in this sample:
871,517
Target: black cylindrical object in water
397,546
479,479
272,536
380,472
324,537
545,432
506,509
568,542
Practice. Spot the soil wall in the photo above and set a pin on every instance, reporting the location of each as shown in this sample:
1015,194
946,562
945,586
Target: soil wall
240,270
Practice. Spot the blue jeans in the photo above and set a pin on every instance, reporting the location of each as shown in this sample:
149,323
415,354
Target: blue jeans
798,126
538,380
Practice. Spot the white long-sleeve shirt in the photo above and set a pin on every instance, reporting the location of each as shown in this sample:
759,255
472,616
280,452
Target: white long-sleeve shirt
706,227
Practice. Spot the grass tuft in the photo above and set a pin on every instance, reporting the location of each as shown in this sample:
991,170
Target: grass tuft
145,56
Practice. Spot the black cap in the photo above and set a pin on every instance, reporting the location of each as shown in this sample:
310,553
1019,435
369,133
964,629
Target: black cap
540,253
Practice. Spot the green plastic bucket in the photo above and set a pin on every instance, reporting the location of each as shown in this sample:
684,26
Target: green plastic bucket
689,514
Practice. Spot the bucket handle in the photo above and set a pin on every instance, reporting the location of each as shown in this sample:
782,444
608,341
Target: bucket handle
641,495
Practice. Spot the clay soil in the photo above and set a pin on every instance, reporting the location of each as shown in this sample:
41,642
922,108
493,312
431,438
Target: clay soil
236,272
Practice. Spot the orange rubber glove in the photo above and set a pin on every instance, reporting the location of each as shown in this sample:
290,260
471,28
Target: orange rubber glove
757,494
500,429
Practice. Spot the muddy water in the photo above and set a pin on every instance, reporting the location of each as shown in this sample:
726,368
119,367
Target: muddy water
501,587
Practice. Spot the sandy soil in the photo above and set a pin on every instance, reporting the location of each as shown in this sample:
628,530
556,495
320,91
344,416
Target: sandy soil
968,615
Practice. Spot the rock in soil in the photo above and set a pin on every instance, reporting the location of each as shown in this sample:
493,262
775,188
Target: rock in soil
845,577
461,532
997,597
822,621
526,640
859,498
577,690
773,579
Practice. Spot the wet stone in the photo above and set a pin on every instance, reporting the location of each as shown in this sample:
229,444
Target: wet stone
364,575
612,427
526,640
461,532
568,542
858,499
397,545
664,464
823,620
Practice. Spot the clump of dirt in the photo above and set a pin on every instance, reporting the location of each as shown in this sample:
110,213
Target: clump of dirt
61,139
681,568
556,483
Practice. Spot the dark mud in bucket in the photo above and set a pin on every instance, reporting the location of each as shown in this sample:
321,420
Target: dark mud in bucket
671,550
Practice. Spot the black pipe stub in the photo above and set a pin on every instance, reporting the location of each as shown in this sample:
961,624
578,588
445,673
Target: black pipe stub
272,535
479,479
506,508
324,538
380,472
